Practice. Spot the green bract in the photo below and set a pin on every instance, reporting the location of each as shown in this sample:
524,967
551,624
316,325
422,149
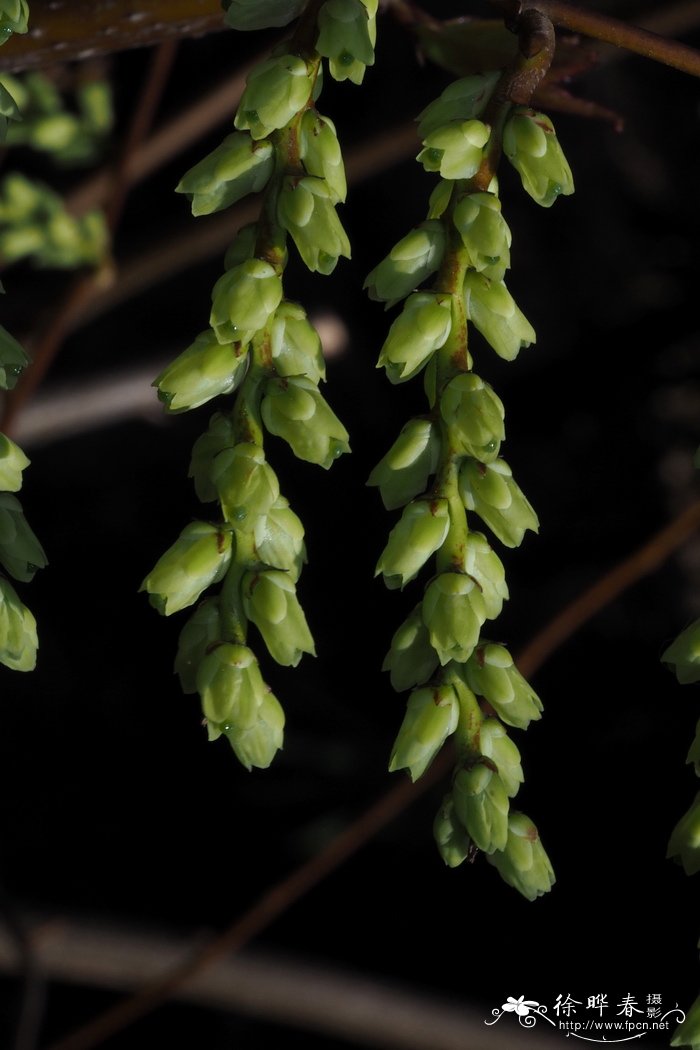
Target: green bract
532,147
408,264
492,674
243,299
453,842
18,639
12,463
246,484
484,566
237,167
453,612
420,329
204,370
474,414
20,551
215,439
684,844
497,745
464,99
295,410
411,659
489,489
404,471
683,655
420,532
320,152
270,602
492,309
431,716
306,209
198,558
455,149
481,806
523,862
261,14
200,633
279,539
275,92
295,344
347,34
484,233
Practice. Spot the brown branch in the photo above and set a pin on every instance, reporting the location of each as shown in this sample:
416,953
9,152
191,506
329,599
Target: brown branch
292,888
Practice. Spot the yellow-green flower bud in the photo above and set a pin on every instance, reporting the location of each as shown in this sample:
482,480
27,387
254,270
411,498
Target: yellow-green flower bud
18,638
453,612
271,603
411,659
198,558
497,745
13,360
306,210
201,632
683,655
485,233
408,264
12,463
347,34
463,99
404,471
20,551
243,300
421,530
481,805
14,18
474,414
431,716
295,344
489,489
246,484
219,435
276,90
295,410
531,145
523,863
261,14
453,842
230,684
493,311
204,370
279,539
256,743
455,149
320,152
237,167
687,1032
492,674
684,844
483,564
420,329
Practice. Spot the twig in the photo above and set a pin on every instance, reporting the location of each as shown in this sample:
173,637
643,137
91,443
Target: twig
290,889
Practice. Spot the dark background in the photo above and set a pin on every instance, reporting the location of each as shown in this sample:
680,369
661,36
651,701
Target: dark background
113,805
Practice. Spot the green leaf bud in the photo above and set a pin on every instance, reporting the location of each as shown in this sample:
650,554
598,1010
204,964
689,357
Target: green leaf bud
481,805
20,551
14,18
421,530
279,539
204,370
219,435
404,471
484,232
489,489
271,603
463,99
257,743
523,863
13,360
12,463
688,1032
347,34
261,14
421,328
411,660
408,264
453,842
306,210
243,300
201,632
531,145
684,844
295,410
18,638
246,484
492,674
242,247
453,612
483,564
237,167
497,745
199,558
455,149
683,655
492,309
295,344
320,152
431,716
474,414
276,90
